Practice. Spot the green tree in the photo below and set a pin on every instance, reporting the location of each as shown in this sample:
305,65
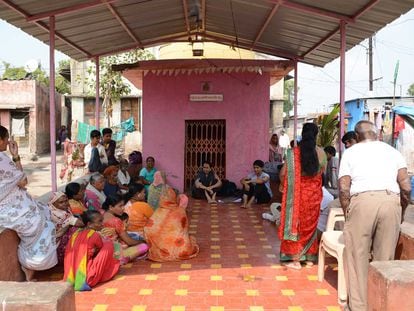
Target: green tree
111,85
61,84
288,89
328,128
13,73
19,73
411,90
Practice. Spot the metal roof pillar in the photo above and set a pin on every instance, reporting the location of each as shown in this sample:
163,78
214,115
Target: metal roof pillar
342,27
295,105
52,102
97,93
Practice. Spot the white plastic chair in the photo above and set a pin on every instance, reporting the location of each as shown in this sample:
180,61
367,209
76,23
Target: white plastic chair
332,242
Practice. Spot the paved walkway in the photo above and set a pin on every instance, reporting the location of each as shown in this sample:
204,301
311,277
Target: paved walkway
237,269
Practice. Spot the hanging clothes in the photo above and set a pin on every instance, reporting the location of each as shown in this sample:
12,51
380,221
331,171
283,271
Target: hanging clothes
18,127
84,131
399,126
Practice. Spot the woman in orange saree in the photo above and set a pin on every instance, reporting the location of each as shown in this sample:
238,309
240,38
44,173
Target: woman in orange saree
166,232
89,259
301,182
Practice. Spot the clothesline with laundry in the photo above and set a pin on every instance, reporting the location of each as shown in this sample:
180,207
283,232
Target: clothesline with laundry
119,131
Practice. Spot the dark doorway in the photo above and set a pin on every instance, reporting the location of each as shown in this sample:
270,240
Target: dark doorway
204,140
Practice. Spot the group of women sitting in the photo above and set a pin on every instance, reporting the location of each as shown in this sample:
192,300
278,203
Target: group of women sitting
92,230
91,218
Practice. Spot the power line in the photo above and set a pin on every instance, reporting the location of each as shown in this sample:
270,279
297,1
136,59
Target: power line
348,87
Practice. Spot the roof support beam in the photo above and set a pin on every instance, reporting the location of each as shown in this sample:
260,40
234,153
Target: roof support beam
67,10
295,105
313,10
44,27
322,41
239,44
365,8
187,22
358,14
265,24
52,102
123,24
342,27
163,39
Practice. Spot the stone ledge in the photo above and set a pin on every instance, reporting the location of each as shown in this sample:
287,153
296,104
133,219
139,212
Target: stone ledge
37,296
405,245
388,283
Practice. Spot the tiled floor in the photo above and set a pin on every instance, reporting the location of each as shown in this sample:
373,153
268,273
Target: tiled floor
237,269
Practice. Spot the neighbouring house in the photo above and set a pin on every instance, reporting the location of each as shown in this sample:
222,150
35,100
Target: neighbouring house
82,107
394,130
376,109
289,122
24,110
205,109
214,50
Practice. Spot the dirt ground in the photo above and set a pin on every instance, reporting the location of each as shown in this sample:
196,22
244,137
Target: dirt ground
39,173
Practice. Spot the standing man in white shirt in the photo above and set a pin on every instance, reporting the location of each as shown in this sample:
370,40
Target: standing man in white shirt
284,142
374,193
95,143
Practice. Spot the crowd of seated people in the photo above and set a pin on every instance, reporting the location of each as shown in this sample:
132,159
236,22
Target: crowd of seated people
92,229
128,212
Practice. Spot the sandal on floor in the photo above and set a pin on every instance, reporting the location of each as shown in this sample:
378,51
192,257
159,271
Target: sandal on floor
292,265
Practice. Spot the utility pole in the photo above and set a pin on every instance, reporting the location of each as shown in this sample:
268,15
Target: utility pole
371,78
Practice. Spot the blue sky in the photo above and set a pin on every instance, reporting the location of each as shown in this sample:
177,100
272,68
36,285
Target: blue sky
319,87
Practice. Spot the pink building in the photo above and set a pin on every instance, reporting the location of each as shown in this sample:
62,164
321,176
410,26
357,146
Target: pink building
207,109
24,110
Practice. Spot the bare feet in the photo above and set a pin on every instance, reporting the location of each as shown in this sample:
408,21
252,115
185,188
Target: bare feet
309,263
243,206
29,274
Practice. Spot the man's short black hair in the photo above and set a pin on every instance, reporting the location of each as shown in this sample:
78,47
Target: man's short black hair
106,130
258,163
348,136
331,150
95,133
207,162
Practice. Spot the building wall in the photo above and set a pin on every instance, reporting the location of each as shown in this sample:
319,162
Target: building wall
39,141
5,118
181,50
355,109
245,108
17,93
276,115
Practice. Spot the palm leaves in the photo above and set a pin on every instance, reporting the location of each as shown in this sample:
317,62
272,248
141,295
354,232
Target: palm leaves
328,128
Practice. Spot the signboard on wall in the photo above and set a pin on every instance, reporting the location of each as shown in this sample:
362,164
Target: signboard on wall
206,97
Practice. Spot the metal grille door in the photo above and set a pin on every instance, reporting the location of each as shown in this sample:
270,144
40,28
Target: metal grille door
204,140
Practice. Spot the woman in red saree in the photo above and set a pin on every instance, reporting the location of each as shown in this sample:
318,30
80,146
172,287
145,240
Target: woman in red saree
301,182
89,259
166,232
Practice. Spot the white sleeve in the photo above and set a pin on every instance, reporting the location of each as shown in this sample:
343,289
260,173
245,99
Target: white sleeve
87,154
400,161
102,152
344,166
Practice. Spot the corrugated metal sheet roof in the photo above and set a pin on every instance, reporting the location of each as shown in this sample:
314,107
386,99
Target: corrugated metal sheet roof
285,28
